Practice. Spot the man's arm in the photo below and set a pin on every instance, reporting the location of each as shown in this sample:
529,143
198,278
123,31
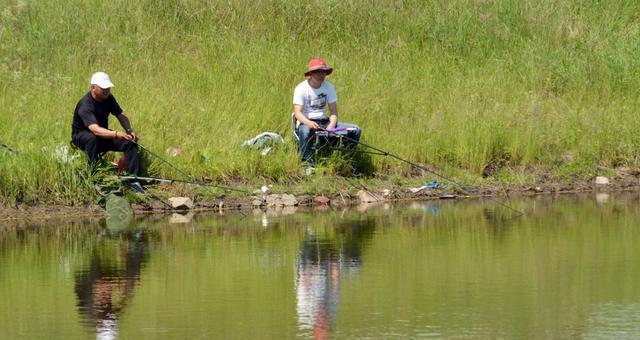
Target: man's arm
333,115
106,133
297,111
126,125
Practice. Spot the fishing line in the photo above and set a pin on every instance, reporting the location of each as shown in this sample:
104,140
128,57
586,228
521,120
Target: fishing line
363,187
184,173
173,180
386,153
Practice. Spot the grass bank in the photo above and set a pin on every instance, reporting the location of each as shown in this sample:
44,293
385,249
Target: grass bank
458,85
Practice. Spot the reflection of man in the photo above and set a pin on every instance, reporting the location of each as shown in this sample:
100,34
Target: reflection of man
107,286
318,288
318,277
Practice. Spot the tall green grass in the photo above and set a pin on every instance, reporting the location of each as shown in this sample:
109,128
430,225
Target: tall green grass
456,84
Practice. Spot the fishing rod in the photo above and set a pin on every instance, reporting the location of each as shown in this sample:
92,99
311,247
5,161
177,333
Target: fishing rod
174,180
184,173
422,167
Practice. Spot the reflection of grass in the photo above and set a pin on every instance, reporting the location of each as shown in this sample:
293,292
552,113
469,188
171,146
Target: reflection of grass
454,84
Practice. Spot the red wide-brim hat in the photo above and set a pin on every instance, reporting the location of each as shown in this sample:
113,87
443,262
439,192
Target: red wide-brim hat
317,64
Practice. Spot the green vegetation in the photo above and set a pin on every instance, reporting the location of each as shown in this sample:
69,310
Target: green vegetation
457,85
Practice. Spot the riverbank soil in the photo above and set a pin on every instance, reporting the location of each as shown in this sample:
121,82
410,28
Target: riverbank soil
156,200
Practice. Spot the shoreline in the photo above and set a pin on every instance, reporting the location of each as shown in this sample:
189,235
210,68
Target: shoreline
229,205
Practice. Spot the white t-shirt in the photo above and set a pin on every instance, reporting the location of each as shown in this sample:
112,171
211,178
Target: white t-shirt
314,101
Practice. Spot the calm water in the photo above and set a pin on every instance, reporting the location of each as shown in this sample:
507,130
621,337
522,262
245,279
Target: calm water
568,268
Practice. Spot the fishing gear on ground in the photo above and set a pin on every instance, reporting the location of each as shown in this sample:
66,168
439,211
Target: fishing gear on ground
386,153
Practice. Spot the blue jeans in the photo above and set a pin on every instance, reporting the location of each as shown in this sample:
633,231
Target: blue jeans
306,140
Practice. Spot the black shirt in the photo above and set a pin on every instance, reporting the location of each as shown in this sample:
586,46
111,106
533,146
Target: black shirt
89,111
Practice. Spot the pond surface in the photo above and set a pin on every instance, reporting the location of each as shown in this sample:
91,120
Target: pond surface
568,268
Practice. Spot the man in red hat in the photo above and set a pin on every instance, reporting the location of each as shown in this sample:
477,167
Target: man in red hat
311,99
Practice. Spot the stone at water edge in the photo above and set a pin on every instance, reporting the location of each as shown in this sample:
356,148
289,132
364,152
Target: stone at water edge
273,200
181,202
289,200
367,197
601,180
321,200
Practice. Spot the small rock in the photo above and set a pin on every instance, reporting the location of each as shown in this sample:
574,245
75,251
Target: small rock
537,189
386,192
256,203
304,199
273,200
181,202
601,180
289,200
321,200
367,197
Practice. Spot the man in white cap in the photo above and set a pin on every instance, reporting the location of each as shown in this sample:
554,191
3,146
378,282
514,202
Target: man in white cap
311,98
90,128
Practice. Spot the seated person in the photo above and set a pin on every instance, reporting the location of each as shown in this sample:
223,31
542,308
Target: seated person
310,101
90,128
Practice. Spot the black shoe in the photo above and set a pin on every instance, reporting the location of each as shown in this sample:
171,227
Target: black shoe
135,186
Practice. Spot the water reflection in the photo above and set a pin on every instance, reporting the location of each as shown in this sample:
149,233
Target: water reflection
612,320
106,287
324,261
568,268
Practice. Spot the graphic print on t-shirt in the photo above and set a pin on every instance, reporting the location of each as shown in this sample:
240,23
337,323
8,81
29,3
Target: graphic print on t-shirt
319,102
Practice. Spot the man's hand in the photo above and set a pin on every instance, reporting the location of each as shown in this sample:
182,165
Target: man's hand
133,135
313,125
122,136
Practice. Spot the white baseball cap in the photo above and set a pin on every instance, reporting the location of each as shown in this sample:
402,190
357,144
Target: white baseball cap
101,79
